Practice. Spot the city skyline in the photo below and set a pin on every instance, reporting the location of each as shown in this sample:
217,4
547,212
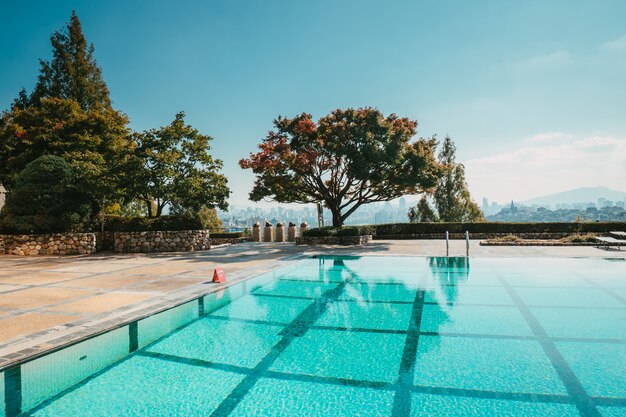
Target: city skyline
532,93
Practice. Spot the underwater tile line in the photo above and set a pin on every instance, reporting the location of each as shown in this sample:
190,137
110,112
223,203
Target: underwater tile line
572,384
296,328
402,397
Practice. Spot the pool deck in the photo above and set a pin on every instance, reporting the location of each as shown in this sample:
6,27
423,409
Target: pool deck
47,302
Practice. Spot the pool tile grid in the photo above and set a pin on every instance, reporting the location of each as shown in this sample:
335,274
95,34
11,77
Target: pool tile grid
405,391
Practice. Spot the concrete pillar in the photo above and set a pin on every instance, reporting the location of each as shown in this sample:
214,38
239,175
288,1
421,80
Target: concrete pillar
303,227
292,232
268,233
280,232
256,232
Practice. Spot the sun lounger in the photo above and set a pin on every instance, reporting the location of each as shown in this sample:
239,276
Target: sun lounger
605,242
618,235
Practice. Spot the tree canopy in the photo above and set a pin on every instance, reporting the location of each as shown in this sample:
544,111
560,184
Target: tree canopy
450,196
348,158
172,166
46,198
72,73
69,115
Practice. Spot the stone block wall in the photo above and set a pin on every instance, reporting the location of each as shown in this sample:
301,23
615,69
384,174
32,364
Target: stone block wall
333,240
49,244
165,241
228,240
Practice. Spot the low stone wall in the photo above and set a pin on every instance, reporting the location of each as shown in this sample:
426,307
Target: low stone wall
228,240
105,241
49,244
333,240
476,236
163,241
537,243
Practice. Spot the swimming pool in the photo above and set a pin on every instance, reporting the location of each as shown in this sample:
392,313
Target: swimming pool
350,336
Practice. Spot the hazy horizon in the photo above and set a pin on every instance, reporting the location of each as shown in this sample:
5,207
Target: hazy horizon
532,93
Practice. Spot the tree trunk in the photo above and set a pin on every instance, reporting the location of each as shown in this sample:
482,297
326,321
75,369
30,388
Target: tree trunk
149,207
337,220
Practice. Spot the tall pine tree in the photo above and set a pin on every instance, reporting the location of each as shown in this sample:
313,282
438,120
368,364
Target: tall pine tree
72,73
451,198
69,115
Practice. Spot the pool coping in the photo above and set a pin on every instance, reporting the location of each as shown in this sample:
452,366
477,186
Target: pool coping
157,305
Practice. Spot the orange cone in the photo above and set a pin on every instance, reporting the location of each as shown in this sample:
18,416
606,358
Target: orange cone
219,275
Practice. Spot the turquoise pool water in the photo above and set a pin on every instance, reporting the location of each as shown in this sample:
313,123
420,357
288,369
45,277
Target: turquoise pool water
371,336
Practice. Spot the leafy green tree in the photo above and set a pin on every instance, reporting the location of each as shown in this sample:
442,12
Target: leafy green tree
422,212
46,199
94,142
348,158
173,167
451,197
68,114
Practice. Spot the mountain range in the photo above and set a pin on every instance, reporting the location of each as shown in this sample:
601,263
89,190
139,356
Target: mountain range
579,195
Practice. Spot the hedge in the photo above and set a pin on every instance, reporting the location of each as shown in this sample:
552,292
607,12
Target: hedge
339,231
233,235
496,227
144,224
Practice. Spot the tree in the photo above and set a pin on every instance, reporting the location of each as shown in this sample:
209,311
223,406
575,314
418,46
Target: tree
68,114
348,158
422,212
451,197
173,167
94,142
72,73
46,199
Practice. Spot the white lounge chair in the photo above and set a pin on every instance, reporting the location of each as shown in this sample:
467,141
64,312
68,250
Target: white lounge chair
605,242
618,235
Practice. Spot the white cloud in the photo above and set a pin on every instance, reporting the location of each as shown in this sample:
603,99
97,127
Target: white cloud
543,168
548,137
618,44
542,62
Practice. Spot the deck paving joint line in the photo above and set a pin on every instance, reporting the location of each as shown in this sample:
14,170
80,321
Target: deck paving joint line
295,328
582,400
402,397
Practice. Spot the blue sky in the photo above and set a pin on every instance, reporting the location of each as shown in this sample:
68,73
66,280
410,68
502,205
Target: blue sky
532,92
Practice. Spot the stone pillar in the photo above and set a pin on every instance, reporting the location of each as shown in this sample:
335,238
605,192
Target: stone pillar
291,232
303,227
256,232
280,232
268,233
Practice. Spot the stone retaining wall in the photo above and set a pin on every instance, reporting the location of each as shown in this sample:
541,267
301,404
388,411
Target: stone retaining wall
226,240
164,241
475,236
333,240
49,244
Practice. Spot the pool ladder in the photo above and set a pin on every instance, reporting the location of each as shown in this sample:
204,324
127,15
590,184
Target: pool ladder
466,243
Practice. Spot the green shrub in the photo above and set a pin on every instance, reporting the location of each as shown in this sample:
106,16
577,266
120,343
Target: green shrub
234,235
144,224
493,227
339,231
45,199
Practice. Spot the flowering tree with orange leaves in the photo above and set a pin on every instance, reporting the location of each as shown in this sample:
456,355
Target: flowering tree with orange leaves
349,158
